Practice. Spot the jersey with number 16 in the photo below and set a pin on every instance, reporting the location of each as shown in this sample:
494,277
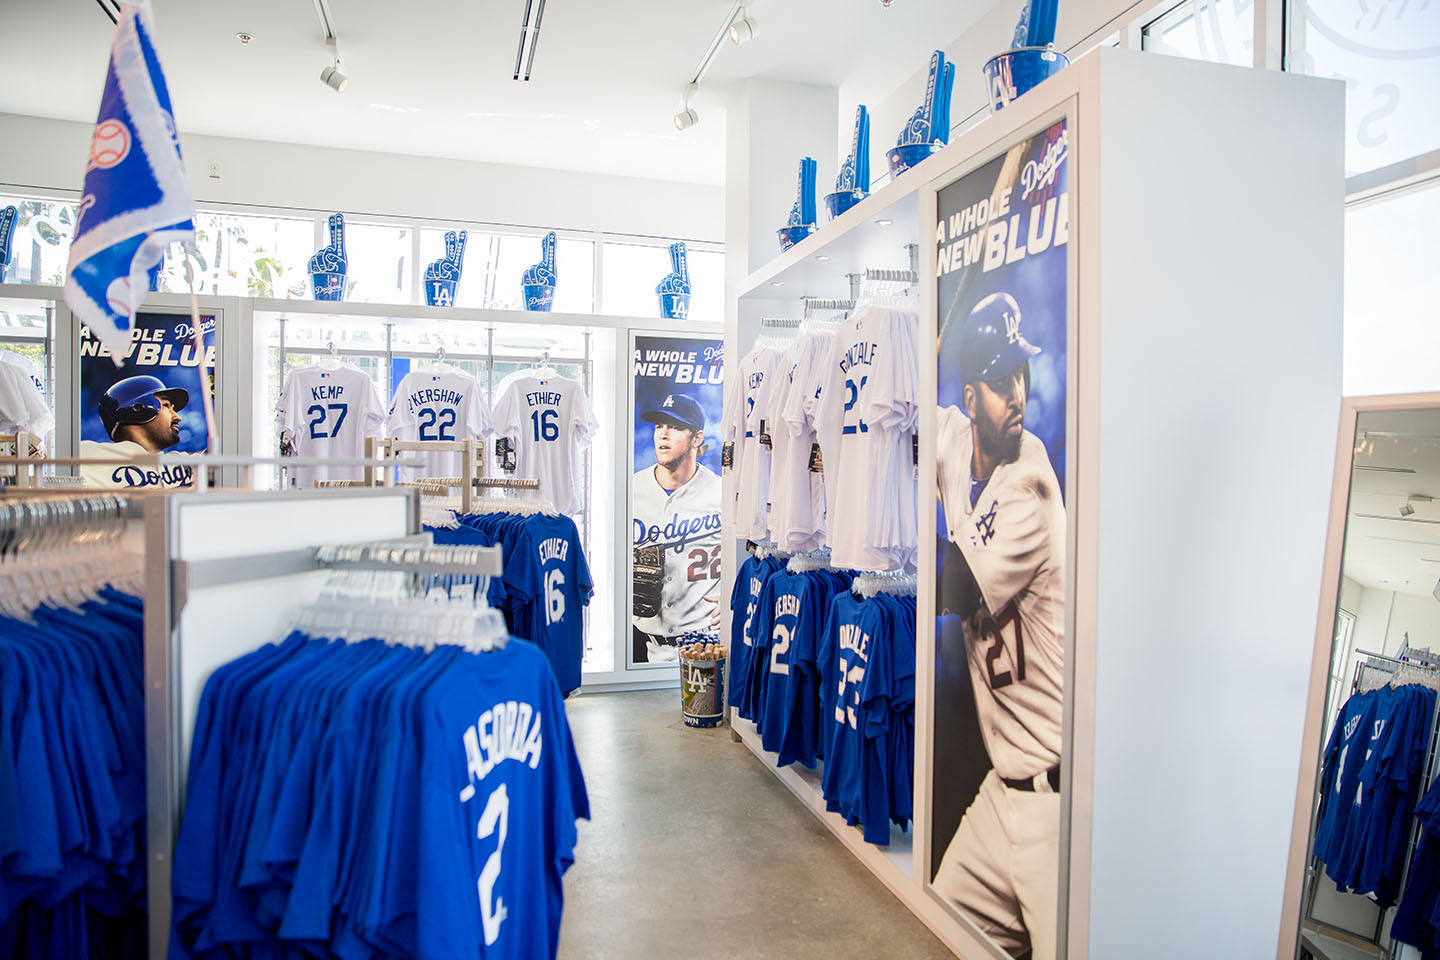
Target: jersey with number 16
549,421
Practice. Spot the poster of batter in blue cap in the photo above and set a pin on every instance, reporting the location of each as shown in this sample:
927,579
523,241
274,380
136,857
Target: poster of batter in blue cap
149,404
1002,247
675,495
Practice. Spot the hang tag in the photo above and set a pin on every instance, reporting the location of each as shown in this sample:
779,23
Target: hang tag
817,463
915,453
505,455
765,434
727,455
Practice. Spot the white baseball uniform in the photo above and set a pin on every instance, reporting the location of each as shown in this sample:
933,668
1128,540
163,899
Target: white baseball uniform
549,421
797,517
686,522
868,510
748,406
22,397
438,402
122,475
1002,864
330,411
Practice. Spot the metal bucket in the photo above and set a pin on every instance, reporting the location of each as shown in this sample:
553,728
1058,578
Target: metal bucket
1012,73
702,691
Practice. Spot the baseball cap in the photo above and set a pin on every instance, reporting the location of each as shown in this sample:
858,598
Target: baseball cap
677,408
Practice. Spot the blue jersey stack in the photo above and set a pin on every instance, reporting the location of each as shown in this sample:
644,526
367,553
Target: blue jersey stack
1370,778
826,675
72,782
545,586
357,800
1417,919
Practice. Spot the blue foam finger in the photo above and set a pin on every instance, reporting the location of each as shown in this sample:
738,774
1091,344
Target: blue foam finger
674,289
442,276
539,280
7,236
1042,15
329,265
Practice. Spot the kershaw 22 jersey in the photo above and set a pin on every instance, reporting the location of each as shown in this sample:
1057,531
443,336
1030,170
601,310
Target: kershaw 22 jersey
329,411
438,402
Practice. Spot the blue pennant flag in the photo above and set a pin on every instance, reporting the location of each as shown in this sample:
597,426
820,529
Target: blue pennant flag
136,199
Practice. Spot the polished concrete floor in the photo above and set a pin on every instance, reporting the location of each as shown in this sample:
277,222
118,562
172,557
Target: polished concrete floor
696,851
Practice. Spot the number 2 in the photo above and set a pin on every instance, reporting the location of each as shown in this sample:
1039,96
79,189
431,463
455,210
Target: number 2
704,565
446,420
316,413
492,908
779,648
852,394
992,631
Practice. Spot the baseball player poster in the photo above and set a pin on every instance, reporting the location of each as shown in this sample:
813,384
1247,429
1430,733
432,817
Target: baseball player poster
675,494
1002,244
151,403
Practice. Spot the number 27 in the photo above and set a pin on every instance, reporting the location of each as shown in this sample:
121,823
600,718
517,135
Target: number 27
992,631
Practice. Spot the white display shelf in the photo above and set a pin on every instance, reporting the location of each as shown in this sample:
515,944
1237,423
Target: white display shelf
854,240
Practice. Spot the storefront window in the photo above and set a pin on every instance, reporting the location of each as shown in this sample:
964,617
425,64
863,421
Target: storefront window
1221,31
1388,54
41,243
379,263
632,271
239,255
495,263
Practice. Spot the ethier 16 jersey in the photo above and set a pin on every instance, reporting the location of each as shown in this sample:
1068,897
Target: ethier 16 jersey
330,412
438,402
1011,596
548,421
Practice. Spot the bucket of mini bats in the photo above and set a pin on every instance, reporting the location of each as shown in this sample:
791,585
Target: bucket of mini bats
702,683
1015,72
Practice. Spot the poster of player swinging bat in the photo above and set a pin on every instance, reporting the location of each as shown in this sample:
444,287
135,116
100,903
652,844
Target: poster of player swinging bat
1001,238
675,494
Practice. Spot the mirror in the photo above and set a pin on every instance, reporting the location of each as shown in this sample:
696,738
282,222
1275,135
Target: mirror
1372,870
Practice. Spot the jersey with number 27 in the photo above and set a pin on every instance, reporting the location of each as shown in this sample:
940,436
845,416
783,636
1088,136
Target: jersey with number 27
330,412
550,421
438,402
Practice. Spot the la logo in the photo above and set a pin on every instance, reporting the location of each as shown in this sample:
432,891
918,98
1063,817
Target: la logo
1012,326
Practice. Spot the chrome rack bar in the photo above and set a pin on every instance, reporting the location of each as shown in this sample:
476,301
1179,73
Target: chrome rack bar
891,276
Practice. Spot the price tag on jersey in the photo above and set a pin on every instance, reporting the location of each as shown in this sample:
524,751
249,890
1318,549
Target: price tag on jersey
915,453
727,455
817,463
505,455
765,435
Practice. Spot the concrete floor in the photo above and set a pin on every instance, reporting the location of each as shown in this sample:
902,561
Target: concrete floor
697,851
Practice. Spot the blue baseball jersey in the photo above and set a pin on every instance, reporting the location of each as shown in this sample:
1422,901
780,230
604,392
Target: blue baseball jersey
844,656
754,572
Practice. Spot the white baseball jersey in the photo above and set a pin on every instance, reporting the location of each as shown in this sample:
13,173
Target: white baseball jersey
22,397
797,515
549,421
686,522
870,512
121,475
330,411
1013,542
437,402
747,416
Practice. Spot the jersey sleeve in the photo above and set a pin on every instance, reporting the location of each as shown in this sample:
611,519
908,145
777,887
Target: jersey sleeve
399,415
374,410
583,425
287,412
477,411
21,404
505,418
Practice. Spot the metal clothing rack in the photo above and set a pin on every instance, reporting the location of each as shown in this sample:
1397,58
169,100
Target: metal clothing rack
819,304
1411,658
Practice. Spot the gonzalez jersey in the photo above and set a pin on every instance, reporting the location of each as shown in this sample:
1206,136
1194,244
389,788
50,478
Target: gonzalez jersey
686,522
438,402
549,422
1009,594
330,412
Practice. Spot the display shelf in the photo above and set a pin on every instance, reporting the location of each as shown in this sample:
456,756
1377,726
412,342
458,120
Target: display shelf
893,866
850,242
1327,947
400,311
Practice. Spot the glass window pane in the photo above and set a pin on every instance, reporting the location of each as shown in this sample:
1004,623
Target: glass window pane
379,263
495,263
41,242
1221,31
1388,54
241,255
1391,288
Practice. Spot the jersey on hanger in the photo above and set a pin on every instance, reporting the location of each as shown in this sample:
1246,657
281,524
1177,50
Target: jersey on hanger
329,412
437,402
549,421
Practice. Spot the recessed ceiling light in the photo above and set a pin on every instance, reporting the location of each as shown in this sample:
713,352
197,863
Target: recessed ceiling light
821,256
244,38
777,283
883,223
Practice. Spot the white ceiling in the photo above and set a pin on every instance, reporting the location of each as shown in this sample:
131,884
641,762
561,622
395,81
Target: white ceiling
1395,553
433,78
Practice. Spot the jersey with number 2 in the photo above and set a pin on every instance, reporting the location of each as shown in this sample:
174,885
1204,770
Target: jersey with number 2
330,412
438,402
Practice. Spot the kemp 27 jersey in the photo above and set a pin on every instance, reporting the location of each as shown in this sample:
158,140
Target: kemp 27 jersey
438,402
1009,593
549,420
330,412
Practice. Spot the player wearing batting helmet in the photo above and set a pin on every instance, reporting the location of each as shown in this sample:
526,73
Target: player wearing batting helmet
676,534
141,415
1004,581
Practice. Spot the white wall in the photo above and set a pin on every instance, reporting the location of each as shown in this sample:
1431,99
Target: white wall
48,154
